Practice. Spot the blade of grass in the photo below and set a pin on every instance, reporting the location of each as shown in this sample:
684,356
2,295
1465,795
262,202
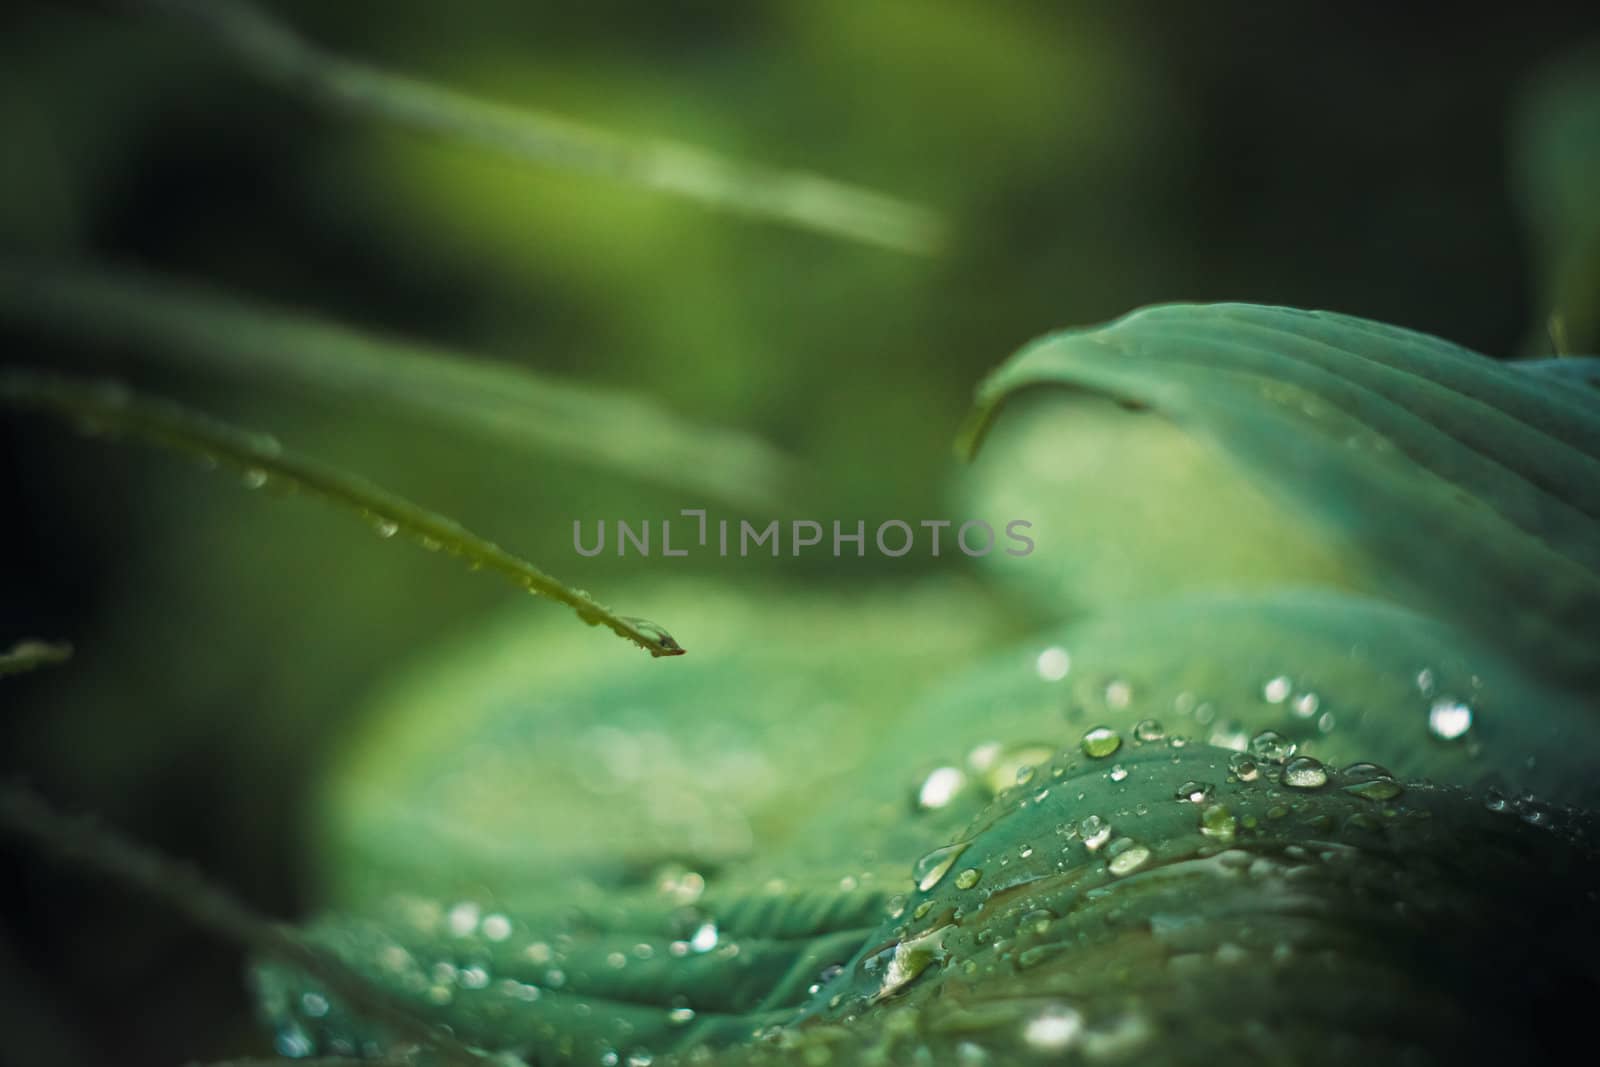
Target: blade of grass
102,850
188,328
274,52
27,656
111,409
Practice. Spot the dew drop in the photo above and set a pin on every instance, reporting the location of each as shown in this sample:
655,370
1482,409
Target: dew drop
930,870
1053,664
940,788
704,938
1305,705
1054,1028
1127,856
1100,742
1148,730
1243,767
1219,823
1303,772
1449,720
1119,694
1269,746
1095,832
1118,773
1276,691
968,878
1194,792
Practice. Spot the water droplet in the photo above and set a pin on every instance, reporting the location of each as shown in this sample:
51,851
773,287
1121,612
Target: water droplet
930,870
1276,691
968,878
908,959
496,927
939,788
1119,694
1118,773
704,938
1305,705
1303,772
1011,766
463,919
1243,767
1148,730
254,478
1100,742
1127,856
385,528
679,1016
1053,664
1425,682
1054,1028
1194,792
1219,823
1269,746
1095,832
1449,719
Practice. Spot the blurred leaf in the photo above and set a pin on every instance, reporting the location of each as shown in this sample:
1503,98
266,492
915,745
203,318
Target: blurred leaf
113,410
1126,507
1471,488
27,656
518,757
1556,156
274,52
193,330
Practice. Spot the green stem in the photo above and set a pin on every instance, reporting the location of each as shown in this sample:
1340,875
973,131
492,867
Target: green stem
112,409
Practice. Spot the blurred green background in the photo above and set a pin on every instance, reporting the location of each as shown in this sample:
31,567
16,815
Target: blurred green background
1086,159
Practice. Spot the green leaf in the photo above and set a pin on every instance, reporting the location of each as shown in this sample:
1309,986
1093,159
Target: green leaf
193,330
275,53
1470,488
520,757
113,410
27,656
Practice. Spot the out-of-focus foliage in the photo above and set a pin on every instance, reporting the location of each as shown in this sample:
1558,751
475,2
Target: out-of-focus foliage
1082,160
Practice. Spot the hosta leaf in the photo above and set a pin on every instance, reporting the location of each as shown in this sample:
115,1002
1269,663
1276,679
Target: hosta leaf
1126,507
609,975
521,756
1343,678
1127,919
1472,487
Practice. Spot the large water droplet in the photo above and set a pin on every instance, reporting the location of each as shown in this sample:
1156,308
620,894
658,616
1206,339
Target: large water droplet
930,870
1100,742
1095,831
1303,772
1054,1028
1449,719
1053,664
1127,856
939,788
1219,823
1269,746
1148,730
